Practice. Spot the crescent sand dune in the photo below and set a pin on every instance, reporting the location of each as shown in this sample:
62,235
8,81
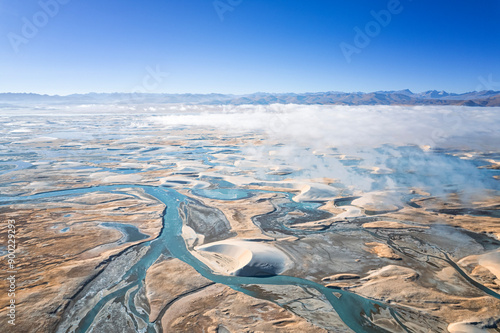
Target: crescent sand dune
243,258
484,267
379,202
316,193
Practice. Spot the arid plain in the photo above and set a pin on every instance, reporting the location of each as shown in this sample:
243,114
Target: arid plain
252,219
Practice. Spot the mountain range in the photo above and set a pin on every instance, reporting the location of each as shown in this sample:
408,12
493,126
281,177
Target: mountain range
398,97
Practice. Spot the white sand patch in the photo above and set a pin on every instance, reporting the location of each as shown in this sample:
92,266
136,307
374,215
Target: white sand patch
349,212
62,165
21,130
191,237
317,192
378,170
130,178
379,201
128,165
190,166
281,170
491,261
243,258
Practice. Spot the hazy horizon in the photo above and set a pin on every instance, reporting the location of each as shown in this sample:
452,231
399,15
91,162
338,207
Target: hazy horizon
248,93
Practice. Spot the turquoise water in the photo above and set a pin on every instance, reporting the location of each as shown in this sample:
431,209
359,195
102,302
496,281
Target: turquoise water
221,190
223,193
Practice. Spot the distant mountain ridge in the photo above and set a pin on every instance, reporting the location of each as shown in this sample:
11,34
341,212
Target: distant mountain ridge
397,97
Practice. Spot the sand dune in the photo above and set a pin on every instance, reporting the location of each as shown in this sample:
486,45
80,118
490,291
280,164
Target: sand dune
317,192
243,258
489,260
377,202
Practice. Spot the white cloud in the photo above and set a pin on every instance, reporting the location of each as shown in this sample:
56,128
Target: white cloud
375,135
352,126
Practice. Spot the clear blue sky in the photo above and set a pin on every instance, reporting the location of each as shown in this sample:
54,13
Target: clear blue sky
260,45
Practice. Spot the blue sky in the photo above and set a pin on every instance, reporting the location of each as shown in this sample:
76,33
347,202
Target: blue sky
244,46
